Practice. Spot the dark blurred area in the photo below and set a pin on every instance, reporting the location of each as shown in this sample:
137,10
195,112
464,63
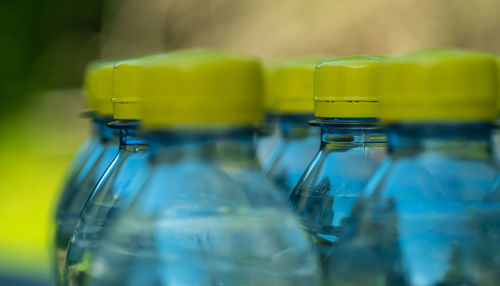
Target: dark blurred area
45,45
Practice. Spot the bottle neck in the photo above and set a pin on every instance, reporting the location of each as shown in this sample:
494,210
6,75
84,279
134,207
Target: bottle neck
227,145
464,140
269,124
101,129
130,136
296,126
270,117
346,133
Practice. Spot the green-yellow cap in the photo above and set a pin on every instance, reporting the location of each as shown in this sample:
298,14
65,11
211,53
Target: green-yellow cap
439,85
348,87
128,88
98,84
201,88
498,86
269,100
291,85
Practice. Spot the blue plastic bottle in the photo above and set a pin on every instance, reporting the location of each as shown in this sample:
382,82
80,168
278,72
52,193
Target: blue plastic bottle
352,146
269,135
90,164
430,215
291,84
103,147
206,214
121,181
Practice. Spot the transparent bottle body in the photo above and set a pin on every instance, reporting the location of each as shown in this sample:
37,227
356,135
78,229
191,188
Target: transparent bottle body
268,138
206,216
112,194
82,158
350,152
496,141
429,216
294,152
77,191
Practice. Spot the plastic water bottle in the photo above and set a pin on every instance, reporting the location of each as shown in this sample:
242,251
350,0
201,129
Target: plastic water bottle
346,98
90,163
269,132
121,181
430,214
206,215
291,84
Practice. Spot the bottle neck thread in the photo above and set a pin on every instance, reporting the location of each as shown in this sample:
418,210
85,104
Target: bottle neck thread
102,130
130,135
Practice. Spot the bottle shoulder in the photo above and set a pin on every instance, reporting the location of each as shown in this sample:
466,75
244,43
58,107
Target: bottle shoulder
425,204
434,177
86,156
295,154
196,210
79,191
194,185
118,185
333,173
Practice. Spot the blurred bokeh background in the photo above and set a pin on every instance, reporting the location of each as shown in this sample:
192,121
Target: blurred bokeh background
45,45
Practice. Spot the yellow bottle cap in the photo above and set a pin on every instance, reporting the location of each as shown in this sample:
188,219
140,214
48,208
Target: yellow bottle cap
127,88
439,85
98,83
291,85
269,100
200,88
498,86
348,87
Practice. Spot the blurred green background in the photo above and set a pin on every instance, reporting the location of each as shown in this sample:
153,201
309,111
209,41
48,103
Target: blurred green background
45,44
